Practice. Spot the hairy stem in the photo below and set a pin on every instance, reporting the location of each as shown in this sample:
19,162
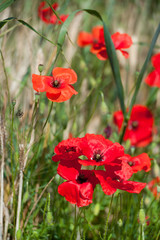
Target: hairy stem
1,177
21,160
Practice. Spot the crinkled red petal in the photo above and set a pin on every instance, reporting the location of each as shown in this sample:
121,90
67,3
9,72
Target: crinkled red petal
153,79
68,75
84,39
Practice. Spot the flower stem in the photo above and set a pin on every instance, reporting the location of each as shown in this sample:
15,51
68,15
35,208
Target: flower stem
106,227
48,116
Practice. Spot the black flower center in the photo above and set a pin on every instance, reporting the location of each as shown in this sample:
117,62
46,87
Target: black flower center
97,156
81,179
134,124
130,163
55,83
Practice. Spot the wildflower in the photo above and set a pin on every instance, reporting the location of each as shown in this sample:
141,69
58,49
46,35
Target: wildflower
140,125
47,15
95,150
110,185
59,87
138,163
153,185
79,187
97,42
99,151
153,78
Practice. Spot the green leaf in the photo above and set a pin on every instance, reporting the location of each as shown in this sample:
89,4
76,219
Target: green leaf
5,4
112,56
2,23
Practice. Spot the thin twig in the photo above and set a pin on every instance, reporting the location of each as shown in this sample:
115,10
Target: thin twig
1,177
7,220
7,84
21,161
34,206
106,227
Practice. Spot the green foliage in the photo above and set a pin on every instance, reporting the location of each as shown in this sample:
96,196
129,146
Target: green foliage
102,88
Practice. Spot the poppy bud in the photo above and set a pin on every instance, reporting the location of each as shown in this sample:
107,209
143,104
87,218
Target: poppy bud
156,169
96,209
40,68
49,218
13,102
108,131
25,197
142,216
19,234
120,223
104,108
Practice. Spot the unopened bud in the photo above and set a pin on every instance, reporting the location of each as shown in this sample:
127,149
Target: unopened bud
156,169
120,223
104,108
40,68
96,209
13,102
142,216
49,218
25,197
19,234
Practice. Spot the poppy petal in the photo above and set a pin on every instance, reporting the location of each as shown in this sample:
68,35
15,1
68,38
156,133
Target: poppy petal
125,54
40,82
107,188
153,79
102,54
66,74
53,97
84,39
121,40
156,61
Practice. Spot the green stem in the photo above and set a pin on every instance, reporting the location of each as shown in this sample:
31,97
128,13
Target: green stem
7,85
12,168
75,222
49,113
106,227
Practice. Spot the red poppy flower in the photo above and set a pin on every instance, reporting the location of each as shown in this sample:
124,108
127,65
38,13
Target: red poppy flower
152,185
153,79
118,169
110,185
79,187
99,151
58,88
140,125
68,149
97,42
120,41
48,16
138,163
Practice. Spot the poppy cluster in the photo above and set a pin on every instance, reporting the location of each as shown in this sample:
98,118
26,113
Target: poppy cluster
76,154
96,39
153,78
47,15
140,125
59,87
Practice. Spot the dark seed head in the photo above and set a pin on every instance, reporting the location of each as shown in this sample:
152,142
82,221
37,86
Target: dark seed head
19,113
